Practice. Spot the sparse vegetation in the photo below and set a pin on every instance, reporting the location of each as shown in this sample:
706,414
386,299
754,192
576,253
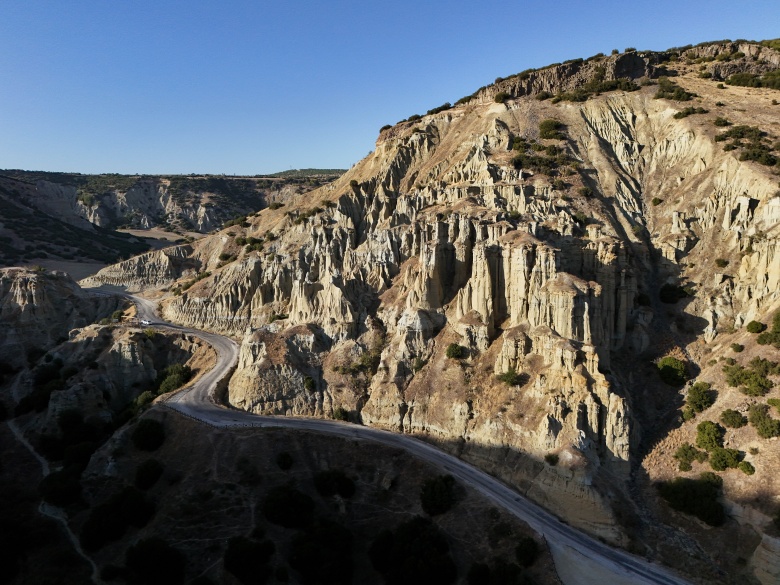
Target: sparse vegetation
721,262
501,97
656,201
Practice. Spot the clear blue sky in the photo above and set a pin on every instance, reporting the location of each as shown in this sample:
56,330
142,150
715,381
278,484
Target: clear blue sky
245,87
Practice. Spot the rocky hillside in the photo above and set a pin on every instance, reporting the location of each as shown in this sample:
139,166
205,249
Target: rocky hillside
177,202
509,276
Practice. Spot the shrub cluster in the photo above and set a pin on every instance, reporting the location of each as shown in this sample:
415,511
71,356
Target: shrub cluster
148,435
415,552
669,90
247,559
670,293
512,378
756,146
709,435
672,371
732,419
455,351
770,79
698,497
753,380
700,396
334,482
551,129
766,426
322,554
689,111
108,522
154,562
687,454
771,337
755,327
438,495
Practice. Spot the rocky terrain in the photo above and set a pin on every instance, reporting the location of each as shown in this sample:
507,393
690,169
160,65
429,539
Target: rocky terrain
70,216
504,277
569,278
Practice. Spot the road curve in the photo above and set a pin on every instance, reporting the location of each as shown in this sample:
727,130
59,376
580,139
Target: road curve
198,401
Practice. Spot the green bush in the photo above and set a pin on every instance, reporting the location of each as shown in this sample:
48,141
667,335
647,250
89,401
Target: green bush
774,402
248,560
334,482
551,129
527,551
755,327
148,435
700,396
737,347
732,419
722,459
501,97
698,497
455,351
322,554
511,378
746,467
284,460
415,552
765,425
689,112
671,293
108,521
153,561
438,495
721,122
672,371
147,474
657,201
669,90
709,435
288,507
687,454
61,488
721,262
752,381
586,192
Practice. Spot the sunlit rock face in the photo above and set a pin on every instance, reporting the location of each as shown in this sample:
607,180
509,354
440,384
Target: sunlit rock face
545,269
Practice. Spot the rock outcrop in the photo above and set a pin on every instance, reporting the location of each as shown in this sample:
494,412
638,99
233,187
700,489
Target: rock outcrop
494,288
38,310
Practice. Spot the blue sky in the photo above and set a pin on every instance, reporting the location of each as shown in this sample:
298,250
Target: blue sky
241,87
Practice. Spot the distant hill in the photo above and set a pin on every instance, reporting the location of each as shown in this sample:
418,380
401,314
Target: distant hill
302,173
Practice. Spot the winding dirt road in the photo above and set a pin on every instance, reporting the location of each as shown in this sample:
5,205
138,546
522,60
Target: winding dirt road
598,563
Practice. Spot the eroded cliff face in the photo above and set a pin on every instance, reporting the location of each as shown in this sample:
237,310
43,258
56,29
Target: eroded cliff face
38,309
348,301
